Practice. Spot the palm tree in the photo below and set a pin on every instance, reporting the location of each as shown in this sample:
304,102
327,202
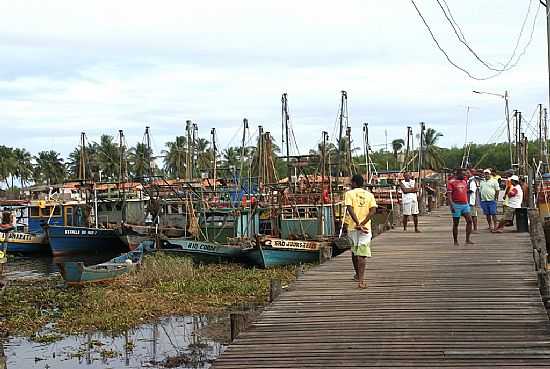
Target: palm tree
397,145
140,160
231,156
205,155
107,157
23,166
49,168
7,164
175,157
432,153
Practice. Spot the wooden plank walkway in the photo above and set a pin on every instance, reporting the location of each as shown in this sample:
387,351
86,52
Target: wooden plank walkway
428,305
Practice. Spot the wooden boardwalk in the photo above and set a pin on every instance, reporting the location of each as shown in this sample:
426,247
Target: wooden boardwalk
428,305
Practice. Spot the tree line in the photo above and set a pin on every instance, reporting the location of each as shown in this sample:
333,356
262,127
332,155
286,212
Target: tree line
18,167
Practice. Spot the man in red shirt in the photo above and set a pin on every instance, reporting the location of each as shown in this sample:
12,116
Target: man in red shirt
457,196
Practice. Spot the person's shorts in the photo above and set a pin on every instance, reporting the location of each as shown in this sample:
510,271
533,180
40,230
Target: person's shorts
460,210
360,242
508,214
489,207
410,208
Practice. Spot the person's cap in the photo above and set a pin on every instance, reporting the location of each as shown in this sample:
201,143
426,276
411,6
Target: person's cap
514,178
487,171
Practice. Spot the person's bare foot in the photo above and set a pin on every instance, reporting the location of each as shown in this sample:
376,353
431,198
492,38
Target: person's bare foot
470,242
417,231
362,285
456,243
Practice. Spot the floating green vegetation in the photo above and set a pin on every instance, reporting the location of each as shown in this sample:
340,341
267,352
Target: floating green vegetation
164,285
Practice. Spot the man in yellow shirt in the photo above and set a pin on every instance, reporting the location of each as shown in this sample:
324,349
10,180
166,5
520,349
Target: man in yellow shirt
361,207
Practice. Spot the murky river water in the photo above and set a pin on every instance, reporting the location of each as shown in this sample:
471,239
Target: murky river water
175,342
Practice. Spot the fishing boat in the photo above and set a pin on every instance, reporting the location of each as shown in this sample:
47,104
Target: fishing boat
25,243
66,240
269,252
76,273
201,251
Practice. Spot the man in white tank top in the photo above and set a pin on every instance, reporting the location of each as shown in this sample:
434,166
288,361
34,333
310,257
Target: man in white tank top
409,201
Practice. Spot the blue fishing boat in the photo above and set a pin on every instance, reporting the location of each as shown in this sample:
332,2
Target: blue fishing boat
76,273
269,252
65,240
201,251
25,243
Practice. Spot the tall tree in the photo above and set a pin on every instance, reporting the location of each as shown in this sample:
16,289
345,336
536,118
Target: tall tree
432,154
49,168
23,166
139,160
397,145
107,157
174,157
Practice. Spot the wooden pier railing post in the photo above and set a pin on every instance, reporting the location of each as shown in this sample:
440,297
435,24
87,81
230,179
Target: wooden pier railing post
274,289
238,324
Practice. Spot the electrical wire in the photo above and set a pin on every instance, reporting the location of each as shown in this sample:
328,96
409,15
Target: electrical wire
460,35
464,70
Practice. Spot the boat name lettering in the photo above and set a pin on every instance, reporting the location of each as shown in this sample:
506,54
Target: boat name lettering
17,236
201,246
78,232
292,244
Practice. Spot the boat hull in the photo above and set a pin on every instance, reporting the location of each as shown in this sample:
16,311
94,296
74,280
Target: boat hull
202,252
76,273
81,240
25,243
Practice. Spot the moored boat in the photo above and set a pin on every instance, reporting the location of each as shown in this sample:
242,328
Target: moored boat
269,252
76,273
25,243
201,251
66,240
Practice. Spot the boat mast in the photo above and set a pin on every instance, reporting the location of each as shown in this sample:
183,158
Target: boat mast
366,149
285,118
188,173
243,142
343,102
261,178
214,154
122,173
149,158
194,149
82,163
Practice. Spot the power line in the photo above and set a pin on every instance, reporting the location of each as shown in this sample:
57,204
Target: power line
458,32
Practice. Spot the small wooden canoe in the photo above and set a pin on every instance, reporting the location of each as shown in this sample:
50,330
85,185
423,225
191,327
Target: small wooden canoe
76,273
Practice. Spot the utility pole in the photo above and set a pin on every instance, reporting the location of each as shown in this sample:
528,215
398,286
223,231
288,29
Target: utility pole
214,155
420,167
507,114
541,128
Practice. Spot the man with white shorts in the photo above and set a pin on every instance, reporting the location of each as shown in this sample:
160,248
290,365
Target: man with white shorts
409,201
361,207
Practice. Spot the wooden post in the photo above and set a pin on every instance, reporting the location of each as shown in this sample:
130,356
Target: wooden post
238,324
274,289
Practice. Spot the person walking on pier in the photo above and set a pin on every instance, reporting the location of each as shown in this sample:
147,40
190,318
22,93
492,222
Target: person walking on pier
488,193
361,207
409,201
457,196
515,199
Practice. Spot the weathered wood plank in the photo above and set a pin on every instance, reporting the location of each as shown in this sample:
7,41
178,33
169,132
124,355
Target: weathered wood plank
429,305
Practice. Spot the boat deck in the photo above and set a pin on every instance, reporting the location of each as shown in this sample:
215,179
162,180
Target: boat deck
428,305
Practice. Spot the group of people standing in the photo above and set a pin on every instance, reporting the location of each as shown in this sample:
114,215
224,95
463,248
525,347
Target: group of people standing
467,193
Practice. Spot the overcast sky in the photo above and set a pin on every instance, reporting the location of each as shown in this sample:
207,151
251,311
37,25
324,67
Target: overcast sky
99,66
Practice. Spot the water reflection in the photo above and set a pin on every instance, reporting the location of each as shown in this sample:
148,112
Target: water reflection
174,342
19,267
